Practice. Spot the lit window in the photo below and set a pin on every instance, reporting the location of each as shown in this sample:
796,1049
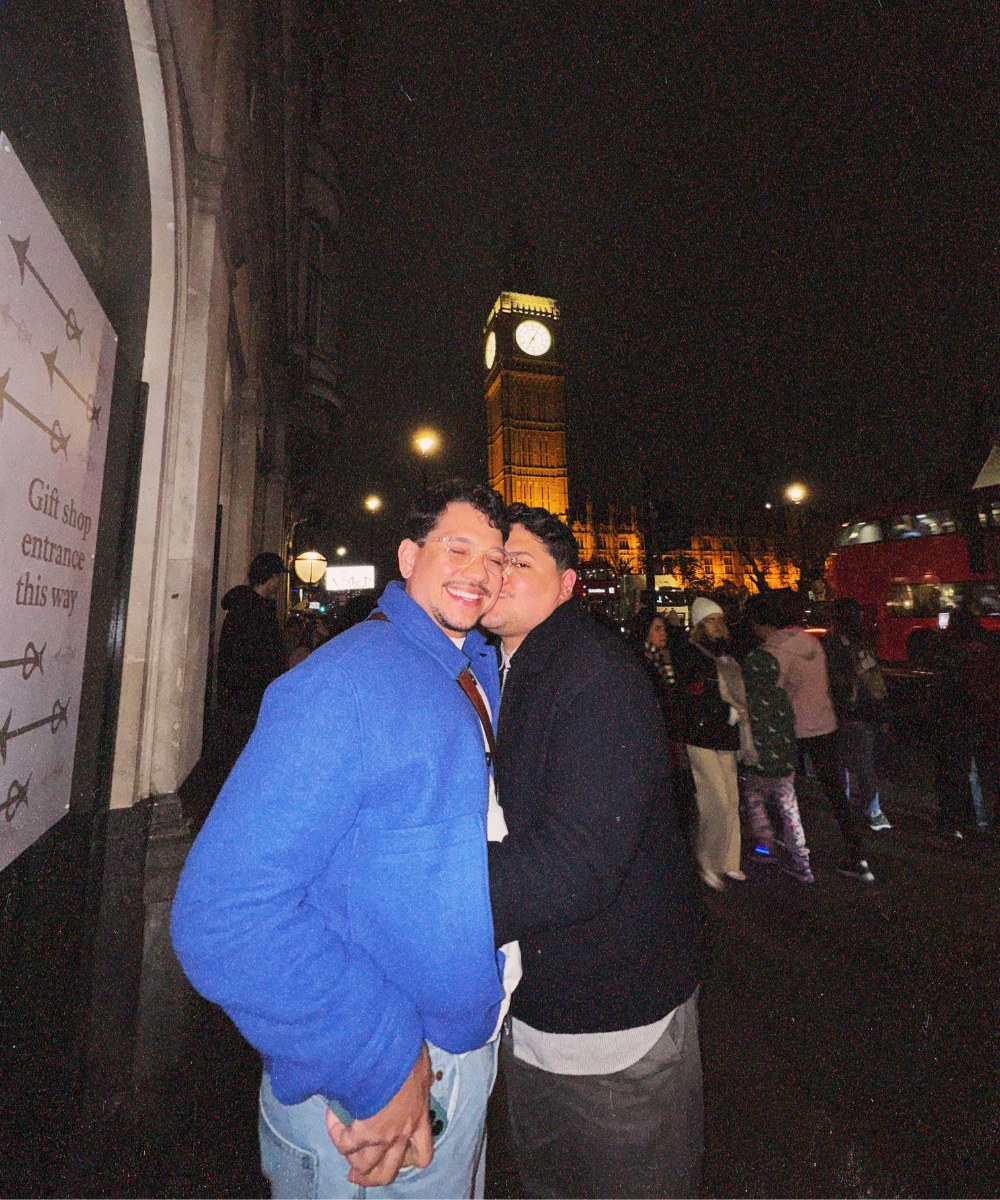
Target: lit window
859,533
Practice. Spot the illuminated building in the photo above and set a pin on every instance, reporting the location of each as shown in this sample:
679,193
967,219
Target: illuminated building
526,416
614,539
717,560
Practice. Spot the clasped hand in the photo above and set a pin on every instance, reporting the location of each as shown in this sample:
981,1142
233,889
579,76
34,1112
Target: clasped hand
397,1136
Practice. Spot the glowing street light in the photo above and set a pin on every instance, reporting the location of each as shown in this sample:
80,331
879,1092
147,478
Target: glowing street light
341,551
426,442
310,566
795,494
373,503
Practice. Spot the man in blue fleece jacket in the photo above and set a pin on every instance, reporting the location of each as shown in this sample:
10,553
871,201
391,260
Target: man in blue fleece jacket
336,903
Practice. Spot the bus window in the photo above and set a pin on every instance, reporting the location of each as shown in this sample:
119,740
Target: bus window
859,533
913,600
951,596
984,599
901,526
921,524
940,521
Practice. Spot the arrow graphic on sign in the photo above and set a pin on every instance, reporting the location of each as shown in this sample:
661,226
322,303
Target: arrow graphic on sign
87,401
56,718
31,662
57,439
73,330
51,776
17,794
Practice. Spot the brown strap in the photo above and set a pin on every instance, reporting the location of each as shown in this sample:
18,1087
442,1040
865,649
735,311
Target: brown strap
467,682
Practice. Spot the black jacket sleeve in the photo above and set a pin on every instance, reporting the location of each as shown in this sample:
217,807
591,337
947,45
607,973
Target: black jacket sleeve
568,852
706,714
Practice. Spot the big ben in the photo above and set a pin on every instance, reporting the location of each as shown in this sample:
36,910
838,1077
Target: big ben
525,417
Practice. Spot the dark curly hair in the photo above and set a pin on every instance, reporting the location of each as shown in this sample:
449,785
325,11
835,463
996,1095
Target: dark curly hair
556,535
429,506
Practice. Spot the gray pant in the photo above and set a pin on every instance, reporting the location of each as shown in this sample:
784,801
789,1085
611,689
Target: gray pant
637,1132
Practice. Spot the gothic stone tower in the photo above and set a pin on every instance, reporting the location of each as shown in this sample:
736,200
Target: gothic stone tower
525,418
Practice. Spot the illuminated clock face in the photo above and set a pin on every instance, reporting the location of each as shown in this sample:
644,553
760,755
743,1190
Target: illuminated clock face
533,338
491,349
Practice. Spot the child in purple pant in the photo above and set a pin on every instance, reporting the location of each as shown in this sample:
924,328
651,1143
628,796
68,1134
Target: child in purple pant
772,722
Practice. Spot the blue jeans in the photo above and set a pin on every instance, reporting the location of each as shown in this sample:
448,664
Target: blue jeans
302,1163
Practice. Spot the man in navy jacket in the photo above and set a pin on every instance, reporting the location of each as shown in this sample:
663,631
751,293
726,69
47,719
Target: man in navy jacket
336,903
601,1055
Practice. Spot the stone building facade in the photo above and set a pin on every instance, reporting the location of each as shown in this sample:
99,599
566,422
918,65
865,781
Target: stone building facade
189,152
613,538
717,559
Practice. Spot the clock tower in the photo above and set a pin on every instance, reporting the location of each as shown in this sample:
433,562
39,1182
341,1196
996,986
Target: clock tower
525,414
525,417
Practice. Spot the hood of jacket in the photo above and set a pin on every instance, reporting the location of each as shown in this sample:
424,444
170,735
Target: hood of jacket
803,675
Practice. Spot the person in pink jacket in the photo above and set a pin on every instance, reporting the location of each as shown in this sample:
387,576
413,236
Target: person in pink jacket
803,675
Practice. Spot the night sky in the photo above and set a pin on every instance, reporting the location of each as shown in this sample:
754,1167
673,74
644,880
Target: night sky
772,229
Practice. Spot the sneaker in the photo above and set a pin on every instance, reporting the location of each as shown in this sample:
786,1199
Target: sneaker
879,821
949,834
714,881
857,870
737,875
799,871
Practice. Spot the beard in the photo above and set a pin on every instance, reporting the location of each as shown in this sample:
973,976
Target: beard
449,622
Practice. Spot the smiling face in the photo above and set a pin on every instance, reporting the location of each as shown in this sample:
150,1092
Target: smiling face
454,597
532,591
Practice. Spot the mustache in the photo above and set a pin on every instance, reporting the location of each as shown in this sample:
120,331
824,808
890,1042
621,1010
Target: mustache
469,586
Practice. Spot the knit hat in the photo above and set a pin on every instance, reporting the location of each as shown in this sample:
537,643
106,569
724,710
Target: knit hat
702,608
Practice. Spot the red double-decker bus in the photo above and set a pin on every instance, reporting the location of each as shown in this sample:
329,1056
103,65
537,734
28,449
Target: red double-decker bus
913,563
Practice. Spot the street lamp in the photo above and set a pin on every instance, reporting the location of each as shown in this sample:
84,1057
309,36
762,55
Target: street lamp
795,494
310,566
341,551
426,442
373,503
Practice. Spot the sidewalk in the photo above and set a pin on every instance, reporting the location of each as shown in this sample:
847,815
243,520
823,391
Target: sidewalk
849,1037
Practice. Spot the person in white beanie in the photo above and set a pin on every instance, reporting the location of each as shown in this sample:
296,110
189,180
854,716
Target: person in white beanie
717,734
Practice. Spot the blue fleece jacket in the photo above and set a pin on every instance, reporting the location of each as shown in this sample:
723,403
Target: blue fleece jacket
336,902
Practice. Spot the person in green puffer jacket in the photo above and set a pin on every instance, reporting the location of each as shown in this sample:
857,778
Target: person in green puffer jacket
772,722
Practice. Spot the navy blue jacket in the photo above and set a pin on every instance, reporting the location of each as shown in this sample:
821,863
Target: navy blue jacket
592,878
336,902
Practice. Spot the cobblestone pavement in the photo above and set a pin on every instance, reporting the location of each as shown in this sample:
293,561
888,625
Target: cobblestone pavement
849,1035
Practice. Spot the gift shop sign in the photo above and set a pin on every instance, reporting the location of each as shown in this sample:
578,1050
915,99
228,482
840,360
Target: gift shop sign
57,359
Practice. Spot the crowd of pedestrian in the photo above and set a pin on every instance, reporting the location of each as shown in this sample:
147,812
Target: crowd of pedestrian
757,701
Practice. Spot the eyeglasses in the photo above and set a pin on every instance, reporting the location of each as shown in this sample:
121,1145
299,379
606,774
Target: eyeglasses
461,554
